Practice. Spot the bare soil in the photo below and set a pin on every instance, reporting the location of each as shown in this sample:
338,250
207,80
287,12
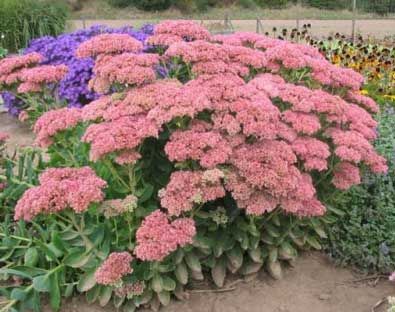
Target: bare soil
20,134
313,284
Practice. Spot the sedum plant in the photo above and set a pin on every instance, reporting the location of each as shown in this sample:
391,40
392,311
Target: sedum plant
203,157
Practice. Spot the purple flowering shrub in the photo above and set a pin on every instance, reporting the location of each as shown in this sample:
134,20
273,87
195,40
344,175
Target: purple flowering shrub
73,89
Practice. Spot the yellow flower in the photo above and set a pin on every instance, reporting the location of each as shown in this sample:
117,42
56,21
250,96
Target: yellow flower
364,92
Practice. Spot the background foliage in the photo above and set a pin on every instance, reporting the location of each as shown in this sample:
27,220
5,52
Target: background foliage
23,20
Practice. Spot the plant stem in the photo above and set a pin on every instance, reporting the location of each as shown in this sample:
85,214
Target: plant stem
16,237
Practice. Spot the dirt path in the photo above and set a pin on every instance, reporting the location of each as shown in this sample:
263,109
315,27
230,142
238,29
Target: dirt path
20,134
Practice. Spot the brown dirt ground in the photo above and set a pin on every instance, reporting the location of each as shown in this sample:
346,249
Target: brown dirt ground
313,284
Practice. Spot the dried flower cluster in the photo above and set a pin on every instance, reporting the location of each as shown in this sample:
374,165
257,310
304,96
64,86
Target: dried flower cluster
61,188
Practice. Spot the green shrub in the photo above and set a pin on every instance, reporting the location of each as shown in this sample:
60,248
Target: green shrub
3,52
185,5
23,20
329,4
246,3
152,5
275,4
120,3
364,236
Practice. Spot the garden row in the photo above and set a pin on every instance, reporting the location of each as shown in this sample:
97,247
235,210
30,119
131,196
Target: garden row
172,155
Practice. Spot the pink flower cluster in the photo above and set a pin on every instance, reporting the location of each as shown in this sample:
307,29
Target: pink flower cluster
53,122
169,32
61,188
33,78
187,188
237,125
157,237
19,69
114,268
108,44
11,65
126,69
392,277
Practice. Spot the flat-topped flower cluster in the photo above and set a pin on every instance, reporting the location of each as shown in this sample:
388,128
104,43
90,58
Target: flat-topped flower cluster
262,120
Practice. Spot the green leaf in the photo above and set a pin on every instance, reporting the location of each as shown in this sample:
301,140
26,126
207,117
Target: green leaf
16,272
129,307
272,231
274,269
181,273
318,228
144,298
87,281
105,295
273,254
69,290
336,211
42,283
164,297
54,293
157,283
18,294
193,262
286,252
256,254
313,242
235,256
118,301
147,193
250,267
93,293
168,283
31,257
178,256
76,259
218,273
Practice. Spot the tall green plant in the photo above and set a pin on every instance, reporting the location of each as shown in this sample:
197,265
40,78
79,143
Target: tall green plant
24,20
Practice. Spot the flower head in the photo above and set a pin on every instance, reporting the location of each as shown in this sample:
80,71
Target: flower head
114,268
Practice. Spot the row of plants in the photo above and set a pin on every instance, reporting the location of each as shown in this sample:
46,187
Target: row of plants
382,7
373,58
201,156
199,5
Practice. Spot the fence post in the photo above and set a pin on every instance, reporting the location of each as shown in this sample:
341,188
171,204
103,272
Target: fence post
354,16
259,26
